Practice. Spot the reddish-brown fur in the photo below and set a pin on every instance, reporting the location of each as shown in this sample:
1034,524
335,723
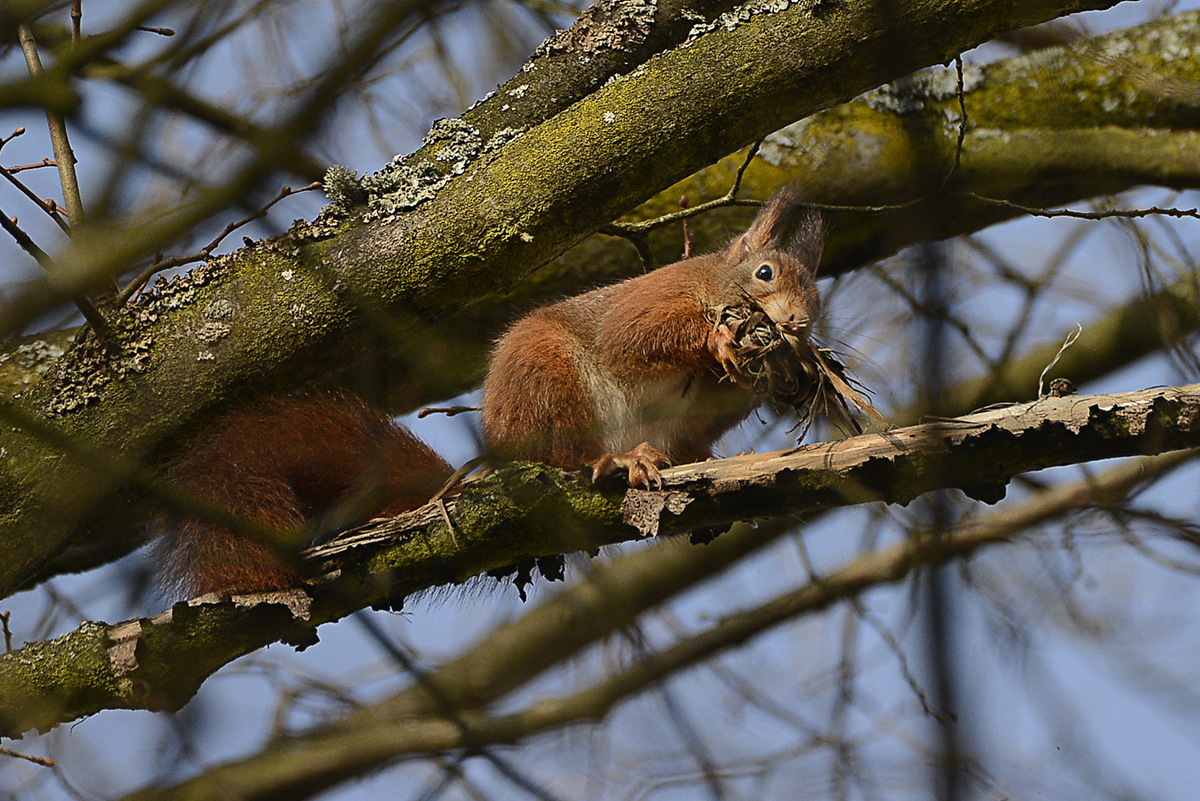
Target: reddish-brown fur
594,375
280,464
529,414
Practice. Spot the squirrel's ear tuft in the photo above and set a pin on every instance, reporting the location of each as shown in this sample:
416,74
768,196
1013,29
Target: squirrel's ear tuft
785,223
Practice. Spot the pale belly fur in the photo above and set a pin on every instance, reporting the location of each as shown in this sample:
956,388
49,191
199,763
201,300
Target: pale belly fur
656,411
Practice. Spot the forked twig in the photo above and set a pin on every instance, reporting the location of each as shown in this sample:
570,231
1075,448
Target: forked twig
439,497
205,252
47,205
628,230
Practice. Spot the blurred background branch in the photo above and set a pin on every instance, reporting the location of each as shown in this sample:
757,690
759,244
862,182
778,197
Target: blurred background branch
187,118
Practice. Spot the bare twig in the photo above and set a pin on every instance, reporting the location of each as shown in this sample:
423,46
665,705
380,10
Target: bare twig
19,132
58,134
4,617
205,252
449,411
89,312
47,205
48,763
628,230
159,31
76,22
1033,211
960,91
24,167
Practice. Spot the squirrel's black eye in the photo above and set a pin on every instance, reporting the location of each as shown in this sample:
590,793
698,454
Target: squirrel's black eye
765,272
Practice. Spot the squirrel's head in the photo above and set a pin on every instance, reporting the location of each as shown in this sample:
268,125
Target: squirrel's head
774,263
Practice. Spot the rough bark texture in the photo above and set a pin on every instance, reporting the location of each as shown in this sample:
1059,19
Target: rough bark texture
528,511
1099,123
448,707
193,348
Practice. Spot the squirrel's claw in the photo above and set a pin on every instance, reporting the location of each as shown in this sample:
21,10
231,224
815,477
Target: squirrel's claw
723,346
643,464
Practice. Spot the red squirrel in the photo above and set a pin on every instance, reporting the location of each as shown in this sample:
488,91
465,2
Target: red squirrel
593,379
282,463
635,375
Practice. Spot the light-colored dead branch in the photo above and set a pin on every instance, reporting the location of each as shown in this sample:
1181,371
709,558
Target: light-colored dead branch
527,511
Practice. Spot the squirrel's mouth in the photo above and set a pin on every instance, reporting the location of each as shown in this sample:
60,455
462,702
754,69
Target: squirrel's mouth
798,329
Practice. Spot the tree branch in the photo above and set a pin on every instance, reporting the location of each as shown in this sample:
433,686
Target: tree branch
856,153
526,511
514,208
407,723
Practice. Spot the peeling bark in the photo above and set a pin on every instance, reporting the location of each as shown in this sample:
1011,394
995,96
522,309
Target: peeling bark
526,511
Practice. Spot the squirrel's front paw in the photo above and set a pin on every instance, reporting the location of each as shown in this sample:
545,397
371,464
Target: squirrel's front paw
723,347
643,464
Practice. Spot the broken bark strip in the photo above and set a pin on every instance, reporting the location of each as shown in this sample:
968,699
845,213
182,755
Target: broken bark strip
526,511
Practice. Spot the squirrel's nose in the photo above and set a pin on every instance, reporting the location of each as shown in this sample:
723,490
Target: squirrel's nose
797,328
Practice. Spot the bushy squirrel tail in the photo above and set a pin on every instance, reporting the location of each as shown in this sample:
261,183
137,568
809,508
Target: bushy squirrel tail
289,468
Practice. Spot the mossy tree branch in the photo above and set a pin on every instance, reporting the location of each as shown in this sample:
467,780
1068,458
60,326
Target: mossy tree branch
890,148
1118,338
530,511
411,722
1066,142
558,182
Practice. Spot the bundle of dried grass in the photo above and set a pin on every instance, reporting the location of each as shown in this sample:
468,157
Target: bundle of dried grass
795,373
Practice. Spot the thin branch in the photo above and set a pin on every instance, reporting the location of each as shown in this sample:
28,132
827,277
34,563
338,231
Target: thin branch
48,763
76,22
449,411
63,155
23,167
629,230
961,93
89,311
1107,214
205,252
550,513
20,131
48,205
